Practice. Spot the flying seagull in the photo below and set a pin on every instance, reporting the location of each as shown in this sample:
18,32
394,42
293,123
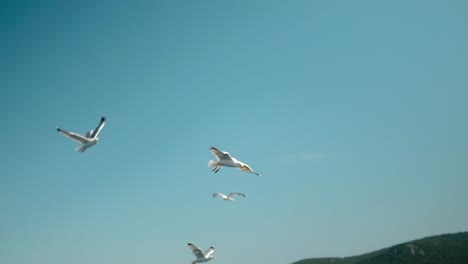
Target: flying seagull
224,159
229,197
201,257
88,140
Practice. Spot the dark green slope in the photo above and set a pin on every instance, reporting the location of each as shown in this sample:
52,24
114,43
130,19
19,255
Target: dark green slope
442,249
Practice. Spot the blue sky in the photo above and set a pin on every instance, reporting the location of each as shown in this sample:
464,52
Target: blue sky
353,111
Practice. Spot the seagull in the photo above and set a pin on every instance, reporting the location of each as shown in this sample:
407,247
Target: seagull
224,159
88,140
229,197
201,257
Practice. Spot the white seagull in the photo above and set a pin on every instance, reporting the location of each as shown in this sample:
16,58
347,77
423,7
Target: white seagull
229,197
224,159
88,140
201,257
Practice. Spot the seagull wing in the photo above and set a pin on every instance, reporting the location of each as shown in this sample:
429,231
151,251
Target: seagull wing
236,194
99,127
221,155
196,251
248,169
208,252
222,195
73,136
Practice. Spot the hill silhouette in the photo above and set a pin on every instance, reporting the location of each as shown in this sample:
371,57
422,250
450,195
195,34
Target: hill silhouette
441,249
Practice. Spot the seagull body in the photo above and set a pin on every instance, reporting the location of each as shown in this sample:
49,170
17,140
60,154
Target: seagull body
201,257
225,159
229,197
88,140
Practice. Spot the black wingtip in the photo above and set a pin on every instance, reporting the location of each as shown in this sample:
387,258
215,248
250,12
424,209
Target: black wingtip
58,129
103,118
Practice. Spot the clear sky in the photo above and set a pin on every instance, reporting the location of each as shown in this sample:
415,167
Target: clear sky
355,113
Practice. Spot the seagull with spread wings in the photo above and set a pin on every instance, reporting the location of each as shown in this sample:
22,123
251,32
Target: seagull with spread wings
88,140
201,257
229,197
225,159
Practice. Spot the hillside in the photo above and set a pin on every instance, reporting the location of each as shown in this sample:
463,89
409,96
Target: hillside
441,249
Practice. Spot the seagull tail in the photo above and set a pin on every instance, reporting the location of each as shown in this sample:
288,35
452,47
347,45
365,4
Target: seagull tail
81,149
212,164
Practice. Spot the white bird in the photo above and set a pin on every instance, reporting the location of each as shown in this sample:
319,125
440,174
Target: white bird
201,257
224,159
88,140
229,197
